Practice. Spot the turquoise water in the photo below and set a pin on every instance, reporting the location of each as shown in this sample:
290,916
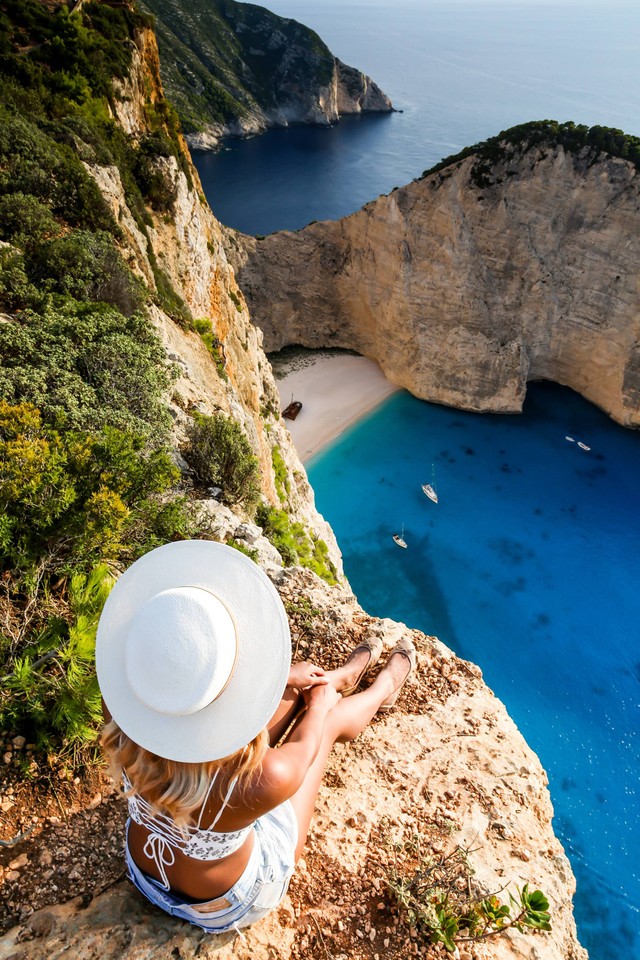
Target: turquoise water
529,566
461,71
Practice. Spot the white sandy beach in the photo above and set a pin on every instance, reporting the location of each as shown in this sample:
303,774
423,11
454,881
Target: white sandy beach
335,391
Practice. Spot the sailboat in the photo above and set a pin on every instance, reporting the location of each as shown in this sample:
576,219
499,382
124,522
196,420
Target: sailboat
429,489
399,538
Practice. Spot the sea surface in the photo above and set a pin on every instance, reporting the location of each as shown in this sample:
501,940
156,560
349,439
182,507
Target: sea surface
530,563
529,566
460,71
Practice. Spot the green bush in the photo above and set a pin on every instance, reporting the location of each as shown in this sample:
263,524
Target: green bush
87,266
281,474
73,505
25,221
85,366
16,290
155,182
221,456
212,343
295,544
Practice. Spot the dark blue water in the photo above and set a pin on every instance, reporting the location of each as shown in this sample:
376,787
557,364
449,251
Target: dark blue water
529,566
460,70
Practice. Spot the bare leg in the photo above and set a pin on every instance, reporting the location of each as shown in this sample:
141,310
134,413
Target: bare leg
348,718
292,703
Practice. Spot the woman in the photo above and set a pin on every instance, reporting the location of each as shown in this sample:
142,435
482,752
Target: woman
193,657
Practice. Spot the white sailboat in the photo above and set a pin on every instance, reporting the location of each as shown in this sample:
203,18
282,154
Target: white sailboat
429,489
399,539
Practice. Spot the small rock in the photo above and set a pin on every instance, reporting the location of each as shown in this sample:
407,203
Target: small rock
8,757
11,875
372,934
95,801
42,924
19,862
360,934
76,873
6,805
19,742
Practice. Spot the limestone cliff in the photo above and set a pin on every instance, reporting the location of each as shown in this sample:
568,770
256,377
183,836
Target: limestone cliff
187,247
502,266
237,69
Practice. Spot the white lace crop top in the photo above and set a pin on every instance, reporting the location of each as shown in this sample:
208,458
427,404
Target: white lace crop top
201,843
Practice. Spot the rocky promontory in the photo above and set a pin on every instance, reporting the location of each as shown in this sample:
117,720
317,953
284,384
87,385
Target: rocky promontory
236,69
515,261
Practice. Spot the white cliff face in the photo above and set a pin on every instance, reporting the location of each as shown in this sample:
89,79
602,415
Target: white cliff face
463,293
187,245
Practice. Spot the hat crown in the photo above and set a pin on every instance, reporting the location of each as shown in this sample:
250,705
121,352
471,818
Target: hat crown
180,651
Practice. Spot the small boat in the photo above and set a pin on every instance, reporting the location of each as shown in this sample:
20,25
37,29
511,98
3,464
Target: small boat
399,539
292,411
429,489
430,492
583,446
570,439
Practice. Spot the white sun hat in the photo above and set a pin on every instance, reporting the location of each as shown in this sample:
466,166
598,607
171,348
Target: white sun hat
193,651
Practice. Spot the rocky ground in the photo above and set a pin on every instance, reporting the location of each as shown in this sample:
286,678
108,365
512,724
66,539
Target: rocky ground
447,769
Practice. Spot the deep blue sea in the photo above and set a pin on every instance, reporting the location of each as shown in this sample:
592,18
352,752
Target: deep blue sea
530,563
461,71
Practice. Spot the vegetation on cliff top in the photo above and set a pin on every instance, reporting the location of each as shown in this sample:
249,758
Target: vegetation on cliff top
87,482
87,478
573,137
221,59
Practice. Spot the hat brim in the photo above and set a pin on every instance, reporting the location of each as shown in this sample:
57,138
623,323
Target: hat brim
255,688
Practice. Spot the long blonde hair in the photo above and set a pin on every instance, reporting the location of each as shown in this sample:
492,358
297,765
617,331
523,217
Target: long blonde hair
174,788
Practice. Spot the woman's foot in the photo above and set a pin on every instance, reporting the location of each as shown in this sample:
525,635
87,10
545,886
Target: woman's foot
402,661
347,678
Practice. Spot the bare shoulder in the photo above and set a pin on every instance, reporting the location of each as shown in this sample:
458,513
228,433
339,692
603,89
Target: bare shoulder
279,779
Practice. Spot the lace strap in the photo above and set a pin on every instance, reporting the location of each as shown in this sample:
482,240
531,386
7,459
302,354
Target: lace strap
206,799
224,802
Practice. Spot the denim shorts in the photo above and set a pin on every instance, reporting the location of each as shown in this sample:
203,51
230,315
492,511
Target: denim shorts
261,887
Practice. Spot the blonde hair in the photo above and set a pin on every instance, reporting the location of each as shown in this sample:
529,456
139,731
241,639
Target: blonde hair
174,788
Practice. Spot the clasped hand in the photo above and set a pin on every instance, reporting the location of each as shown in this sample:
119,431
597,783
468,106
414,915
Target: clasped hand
306,674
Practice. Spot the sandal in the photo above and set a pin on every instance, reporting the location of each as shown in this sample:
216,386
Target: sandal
374,646
405,648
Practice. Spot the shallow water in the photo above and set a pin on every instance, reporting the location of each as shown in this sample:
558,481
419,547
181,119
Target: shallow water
529,566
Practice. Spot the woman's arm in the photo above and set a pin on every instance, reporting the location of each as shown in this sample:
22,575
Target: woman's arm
285,768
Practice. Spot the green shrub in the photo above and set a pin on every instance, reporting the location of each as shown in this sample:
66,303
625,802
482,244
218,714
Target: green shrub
87,266
221,456
25,221
212,343
154,180
85,366
73,505
16,290
295,544
281,474
80,492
